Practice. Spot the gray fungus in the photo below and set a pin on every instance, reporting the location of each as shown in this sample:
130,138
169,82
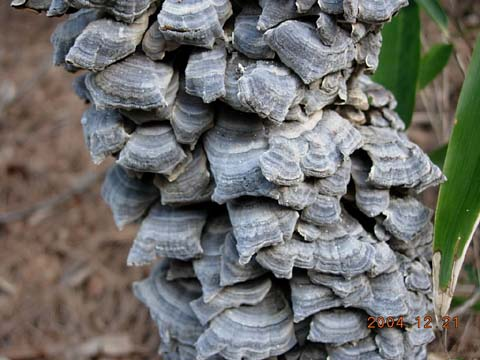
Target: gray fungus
273,185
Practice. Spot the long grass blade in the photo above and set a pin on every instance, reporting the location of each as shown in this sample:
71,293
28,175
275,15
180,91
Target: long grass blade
433,62
400,59
458,208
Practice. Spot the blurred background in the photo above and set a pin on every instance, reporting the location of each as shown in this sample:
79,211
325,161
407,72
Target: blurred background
65,289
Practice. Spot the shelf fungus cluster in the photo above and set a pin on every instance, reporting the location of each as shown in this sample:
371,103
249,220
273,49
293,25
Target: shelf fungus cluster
273,184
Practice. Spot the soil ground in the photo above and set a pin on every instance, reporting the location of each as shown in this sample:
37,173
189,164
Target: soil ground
65,290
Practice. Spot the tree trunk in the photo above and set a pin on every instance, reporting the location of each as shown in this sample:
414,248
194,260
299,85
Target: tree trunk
273,181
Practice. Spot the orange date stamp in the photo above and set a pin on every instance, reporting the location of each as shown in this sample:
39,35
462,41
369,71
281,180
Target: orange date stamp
425,322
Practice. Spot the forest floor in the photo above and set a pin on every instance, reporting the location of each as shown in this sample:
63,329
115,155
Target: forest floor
65,289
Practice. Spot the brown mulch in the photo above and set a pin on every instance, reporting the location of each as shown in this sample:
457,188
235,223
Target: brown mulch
65,290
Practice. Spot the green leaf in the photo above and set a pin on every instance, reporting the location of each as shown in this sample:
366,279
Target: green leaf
433,62
435,11
459,300
458,208
400,59
438,155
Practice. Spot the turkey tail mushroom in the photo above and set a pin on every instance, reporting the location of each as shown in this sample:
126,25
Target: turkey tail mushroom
36,5
169,232
231,270
247,38
58,8
193,185
104,42
134,83
128,197
169,305
64,36
298,46
338,326
104,132
271,178
259,224
122,10
152,148
190,118
205,73
253,332
192,22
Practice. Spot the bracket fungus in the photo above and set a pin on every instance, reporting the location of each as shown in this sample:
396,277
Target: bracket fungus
267,170
104,42
193,22
338,326
205,73
129,198
232,271
253,332
104,132
247,38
